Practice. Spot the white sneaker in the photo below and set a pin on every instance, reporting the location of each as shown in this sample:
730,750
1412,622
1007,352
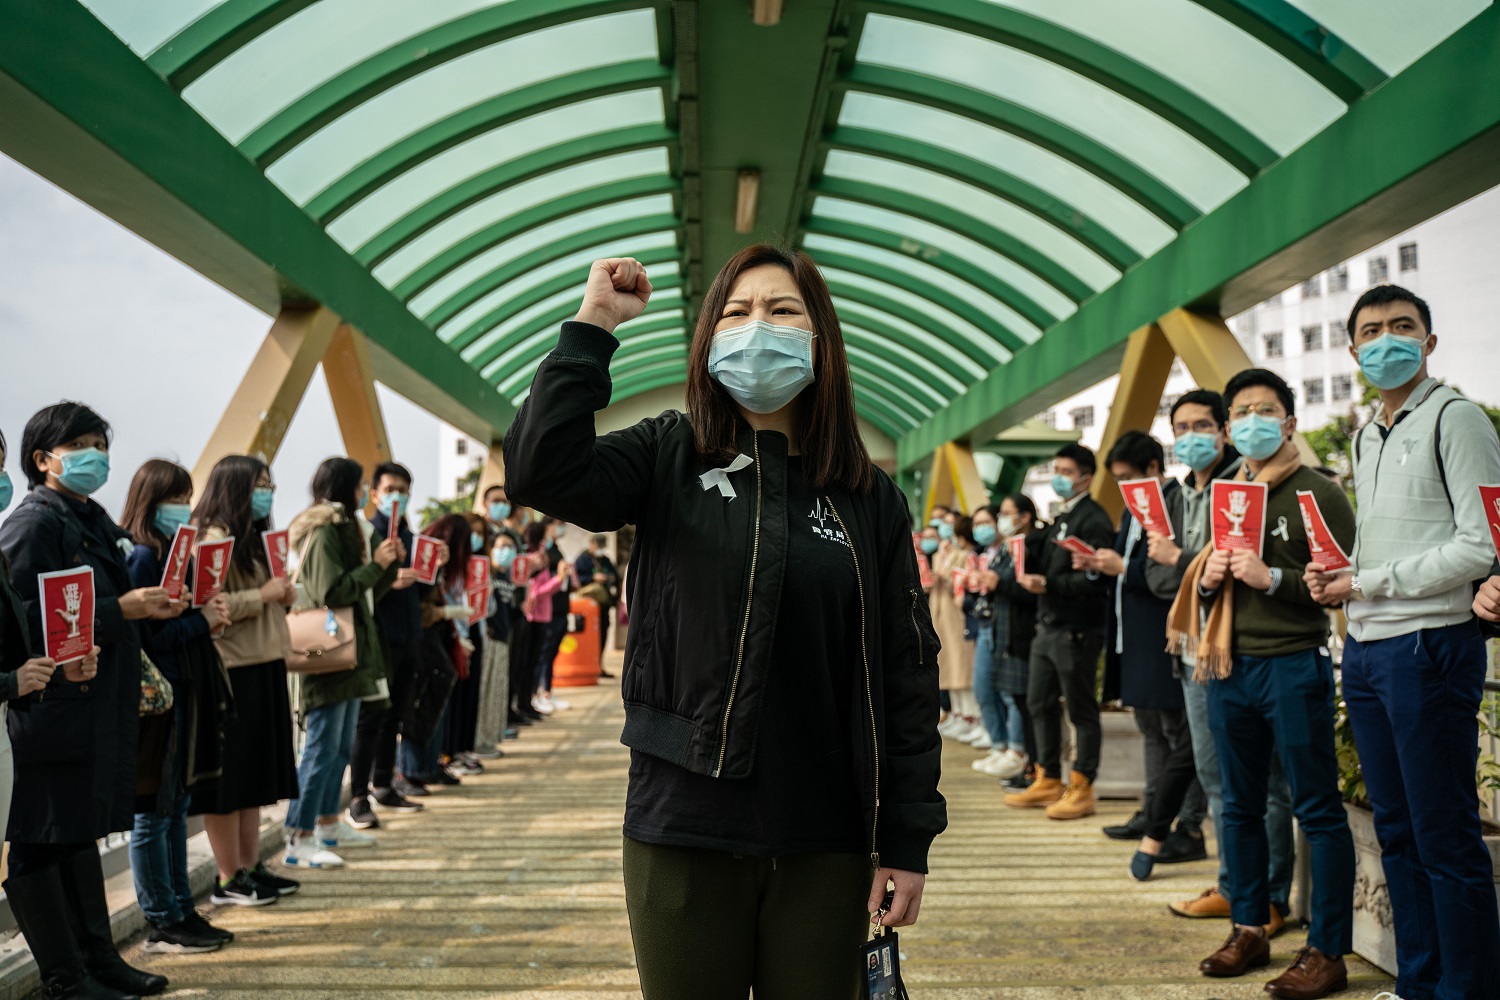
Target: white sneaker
1386,996
541,704
307,852
981,740
946,727
1012,763
984,764
558,704
966,733
341,834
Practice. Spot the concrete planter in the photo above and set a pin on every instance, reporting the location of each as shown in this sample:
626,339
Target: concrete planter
1122,761
1374,934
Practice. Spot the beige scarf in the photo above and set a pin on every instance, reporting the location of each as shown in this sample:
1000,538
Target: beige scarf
1214,639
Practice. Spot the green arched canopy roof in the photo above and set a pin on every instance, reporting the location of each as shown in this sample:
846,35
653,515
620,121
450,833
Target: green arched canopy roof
998,191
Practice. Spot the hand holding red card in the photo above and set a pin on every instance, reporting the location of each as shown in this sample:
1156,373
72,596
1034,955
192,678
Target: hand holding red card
398,511
1239,516
174,576
68,613
210,570
1491,495
477,587
276,549
1324,548
924,565
1017,545
1145,500
424,558
1075,545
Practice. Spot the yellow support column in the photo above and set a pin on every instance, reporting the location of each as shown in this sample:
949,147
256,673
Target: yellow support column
955,481
261,410
1143,379
351,386
493,475
1213,355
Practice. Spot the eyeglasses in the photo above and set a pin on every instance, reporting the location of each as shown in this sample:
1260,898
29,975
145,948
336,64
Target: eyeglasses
1201,427
1272,410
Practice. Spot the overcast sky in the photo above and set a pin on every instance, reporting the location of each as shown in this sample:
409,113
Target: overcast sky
90,311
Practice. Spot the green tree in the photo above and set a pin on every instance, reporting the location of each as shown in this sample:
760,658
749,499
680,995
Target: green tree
461,504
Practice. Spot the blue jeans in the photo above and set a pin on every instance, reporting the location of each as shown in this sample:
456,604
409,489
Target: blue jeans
1282,846
991,709
1285,702
1015,723
419,762
325,756
158,860
1413,700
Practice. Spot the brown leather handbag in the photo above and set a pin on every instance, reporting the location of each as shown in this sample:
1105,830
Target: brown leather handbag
322,637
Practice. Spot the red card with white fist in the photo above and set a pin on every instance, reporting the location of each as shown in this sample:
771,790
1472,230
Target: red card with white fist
1491,495
211,568
68,613
174,576
1144,499
1239,516
1324,548
424,558
276,549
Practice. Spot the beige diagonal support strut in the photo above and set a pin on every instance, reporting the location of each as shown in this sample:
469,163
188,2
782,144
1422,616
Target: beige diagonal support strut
351,386
1143,378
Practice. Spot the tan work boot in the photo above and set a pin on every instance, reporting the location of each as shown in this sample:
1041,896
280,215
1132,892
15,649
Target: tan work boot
1043,792
1077,802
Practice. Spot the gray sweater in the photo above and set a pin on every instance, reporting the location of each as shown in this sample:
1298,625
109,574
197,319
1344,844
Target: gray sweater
1418,548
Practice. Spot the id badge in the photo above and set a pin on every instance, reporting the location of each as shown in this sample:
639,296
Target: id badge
882,965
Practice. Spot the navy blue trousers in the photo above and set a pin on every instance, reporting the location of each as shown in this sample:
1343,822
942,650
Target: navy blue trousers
1285,703
1413,700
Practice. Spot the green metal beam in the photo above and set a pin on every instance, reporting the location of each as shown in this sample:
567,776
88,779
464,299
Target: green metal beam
894,307
893,380
1002,184
952,264
900,359
1320,205
516,105
216,36
889,421
604,236
854,314
511,226
409,58
644,382
473,190
663,314
1108,67
554,318
1305,43
1133,181
79,108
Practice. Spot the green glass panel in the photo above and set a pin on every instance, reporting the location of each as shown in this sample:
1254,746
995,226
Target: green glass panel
985,344
1179,160
916,363
673,349
533,337
1065,180
1392,34
1209,56
916,396
144,26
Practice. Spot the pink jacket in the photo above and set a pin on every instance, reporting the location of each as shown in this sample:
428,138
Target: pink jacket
539,590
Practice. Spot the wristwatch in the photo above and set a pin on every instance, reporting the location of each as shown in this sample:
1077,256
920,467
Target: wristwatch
1355,593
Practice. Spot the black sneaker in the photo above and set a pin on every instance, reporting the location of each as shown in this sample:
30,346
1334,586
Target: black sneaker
195,920
361,816
389,798
262,876
447,777
410,789
242,890
1181,845
180,939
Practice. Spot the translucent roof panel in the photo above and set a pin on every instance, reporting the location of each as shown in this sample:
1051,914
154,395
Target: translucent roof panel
1392,34
144,26
1180,160
916,364
959,326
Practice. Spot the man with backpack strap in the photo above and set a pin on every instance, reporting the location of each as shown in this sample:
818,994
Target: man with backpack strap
1414,664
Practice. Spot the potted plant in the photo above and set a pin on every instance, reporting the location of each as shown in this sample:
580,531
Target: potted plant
1374,933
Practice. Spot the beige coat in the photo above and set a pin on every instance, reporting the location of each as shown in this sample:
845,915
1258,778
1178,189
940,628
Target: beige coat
956,658
256,632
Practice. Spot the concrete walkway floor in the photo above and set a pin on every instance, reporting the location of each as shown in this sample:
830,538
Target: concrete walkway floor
509,886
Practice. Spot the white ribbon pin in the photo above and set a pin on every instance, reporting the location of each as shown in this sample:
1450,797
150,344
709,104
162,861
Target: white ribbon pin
720,477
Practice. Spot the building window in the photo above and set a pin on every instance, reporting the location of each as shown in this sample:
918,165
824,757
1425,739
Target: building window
1338,279
1083,416
1271,345
1312,337
1050,419
1164,408
1343,387
1274,300
1312,390
462,447
1312,287
1408,257
1380,270
462,486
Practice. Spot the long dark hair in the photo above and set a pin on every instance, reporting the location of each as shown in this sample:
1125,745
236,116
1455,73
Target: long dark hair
225,503
452,530
153,484
833,451
337,480
535,535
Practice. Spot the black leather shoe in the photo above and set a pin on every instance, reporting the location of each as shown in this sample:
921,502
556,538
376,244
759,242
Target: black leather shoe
1182,845
1132,829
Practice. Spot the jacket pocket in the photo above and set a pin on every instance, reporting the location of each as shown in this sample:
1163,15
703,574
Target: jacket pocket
925,642
56,728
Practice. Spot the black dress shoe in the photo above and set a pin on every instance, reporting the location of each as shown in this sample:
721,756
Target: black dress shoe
1182,844
1132,829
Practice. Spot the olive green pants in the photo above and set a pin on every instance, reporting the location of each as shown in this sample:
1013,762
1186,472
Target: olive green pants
710,925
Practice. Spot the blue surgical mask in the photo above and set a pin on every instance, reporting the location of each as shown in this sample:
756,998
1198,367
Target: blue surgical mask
171,516
761,365
261,499
476,542
936,522
85,471
945,531
1063,486
1391,360
1257,437
362,499
7,489
1197,451
984,535
499,510
929,545
505,557
390,504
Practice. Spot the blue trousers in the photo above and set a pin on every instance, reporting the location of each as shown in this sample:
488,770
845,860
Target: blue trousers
1282,847
997,709
325,756
1413,700
1284,703
158,860
419,762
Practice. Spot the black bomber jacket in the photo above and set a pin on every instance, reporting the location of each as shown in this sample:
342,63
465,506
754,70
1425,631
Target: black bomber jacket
705,582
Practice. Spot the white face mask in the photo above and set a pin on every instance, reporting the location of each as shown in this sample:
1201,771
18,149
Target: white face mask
761,365
1007,525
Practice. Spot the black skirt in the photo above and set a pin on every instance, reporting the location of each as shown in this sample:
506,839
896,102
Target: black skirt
260,768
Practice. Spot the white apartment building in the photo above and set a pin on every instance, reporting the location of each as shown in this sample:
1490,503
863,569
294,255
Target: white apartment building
457,455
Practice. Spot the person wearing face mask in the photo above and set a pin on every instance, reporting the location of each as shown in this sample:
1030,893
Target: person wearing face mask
74,741
1018,518
1071,606
598,580
461,722
557,625
1261,645
986,614
184,747
779,644
494,690
1414,661
1200,423
946,605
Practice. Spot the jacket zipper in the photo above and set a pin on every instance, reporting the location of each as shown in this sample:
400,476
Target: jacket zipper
739,660
864,653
